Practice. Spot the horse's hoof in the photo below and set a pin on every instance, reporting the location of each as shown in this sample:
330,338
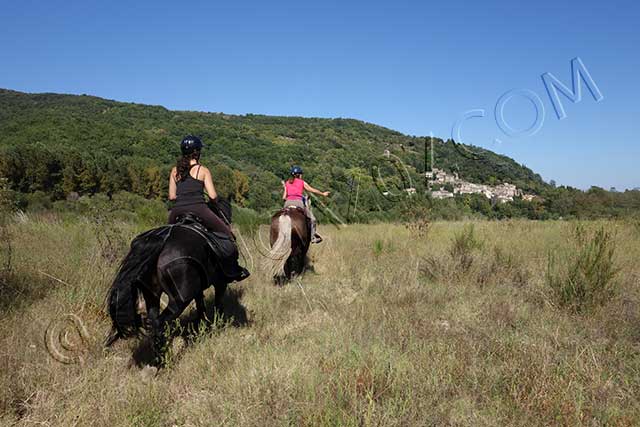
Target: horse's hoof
148,373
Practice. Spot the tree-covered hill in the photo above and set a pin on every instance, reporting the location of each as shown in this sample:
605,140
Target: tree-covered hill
59,144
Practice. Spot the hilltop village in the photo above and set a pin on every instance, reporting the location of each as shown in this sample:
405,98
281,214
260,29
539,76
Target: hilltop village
444,185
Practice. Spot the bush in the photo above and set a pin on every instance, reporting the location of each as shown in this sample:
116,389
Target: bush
6,208
584,279
635,222
417,218
38,201
378,248
123,206
463,245
152,213
448,210
247,220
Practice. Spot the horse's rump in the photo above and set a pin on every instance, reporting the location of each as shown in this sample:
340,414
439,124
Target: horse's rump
299,221
289,238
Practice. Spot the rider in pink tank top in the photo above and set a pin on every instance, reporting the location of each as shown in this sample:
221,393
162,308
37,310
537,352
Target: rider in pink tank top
293,196
294,189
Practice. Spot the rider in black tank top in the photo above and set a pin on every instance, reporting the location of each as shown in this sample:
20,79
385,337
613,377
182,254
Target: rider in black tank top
190,191
190,199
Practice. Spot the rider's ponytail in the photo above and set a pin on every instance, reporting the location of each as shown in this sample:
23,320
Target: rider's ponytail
293,177
184,164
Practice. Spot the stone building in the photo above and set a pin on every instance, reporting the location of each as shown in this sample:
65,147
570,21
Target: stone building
441,194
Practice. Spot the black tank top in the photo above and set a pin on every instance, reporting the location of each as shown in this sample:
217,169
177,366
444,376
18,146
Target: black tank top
189,191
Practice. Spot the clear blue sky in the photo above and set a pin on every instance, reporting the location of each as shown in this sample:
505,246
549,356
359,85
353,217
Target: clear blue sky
411,66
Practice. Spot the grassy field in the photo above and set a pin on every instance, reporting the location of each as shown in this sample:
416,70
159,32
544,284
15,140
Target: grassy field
503,323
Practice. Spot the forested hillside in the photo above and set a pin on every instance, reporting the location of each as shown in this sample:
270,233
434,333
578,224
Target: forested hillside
63,143
55,145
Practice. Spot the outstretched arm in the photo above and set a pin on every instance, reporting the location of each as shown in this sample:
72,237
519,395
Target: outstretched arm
310,189
172,184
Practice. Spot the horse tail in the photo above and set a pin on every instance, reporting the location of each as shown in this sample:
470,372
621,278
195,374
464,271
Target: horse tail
135,268
281,248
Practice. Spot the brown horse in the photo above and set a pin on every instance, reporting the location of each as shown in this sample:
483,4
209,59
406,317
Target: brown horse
290,237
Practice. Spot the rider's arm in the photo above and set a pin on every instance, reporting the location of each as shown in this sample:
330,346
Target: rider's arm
284,191
172,184
208,184
310,189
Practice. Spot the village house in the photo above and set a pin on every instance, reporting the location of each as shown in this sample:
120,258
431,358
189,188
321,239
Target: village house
441,194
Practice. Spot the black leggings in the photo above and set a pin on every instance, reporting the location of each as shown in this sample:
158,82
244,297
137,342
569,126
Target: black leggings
202,211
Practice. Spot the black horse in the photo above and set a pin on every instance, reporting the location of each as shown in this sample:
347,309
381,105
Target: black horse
177,260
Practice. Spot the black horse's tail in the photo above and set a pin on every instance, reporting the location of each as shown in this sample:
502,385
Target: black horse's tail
136,267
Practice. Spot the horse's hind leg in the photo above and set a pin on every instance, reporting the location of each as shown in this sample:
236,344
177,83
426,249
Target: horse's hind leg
152,303
219,298
168,315
201,308
182,282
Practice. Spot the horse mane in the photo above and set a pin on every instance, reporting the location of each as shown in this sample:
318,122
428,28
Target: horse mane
136,266
222,208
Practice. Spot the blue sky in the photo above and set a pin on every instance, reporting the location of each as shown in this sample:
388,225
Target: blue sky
413,66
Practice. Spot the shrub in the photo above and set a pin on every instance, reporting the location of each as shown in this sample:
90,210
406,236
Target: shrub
6,208
38,201
378,247
417,219
586,277
463,245
419,228
6,197
503,267
635,222
110,237
152,213
448,210
123,206
247,220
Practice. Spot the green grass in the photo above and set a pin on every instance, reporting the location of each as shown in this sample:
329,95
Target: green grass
390,329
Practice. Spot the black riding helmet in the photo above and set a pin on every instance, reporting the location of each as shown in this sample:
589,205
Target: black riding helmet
296,170
189,144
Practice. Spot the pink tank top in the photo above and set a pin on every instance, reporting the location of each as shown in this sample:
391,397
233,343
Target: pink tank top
294,189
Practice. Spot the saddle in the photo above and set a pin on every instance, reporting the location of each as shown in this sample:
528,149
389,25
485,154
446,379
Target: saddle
301,210
293,208
222,245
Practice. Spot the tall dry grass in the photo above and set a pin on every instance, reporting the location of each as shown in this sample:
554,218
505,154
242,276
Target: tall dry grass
451,326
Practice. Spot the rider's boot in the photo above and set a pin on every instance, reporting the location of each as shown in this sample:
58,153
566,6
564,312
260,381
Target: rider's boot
237,273
315,237
233,271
